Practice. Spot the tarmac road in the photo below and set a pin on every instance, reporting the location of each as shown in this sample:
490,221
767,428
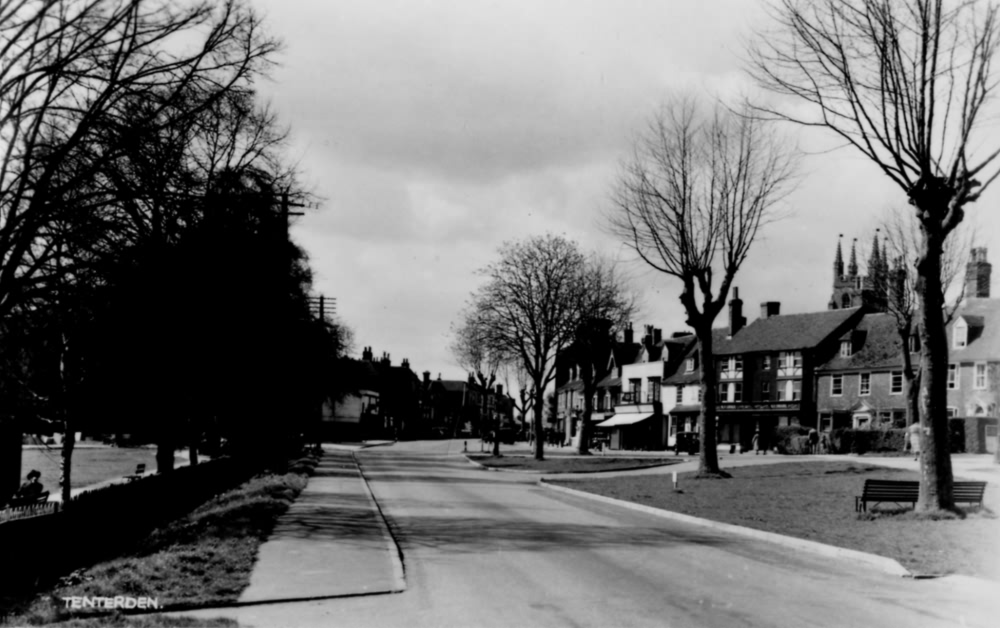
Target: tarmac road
495,549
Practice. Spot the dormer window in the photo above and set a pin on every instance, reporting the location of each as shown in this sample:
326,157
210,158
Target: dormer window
960,334
845,348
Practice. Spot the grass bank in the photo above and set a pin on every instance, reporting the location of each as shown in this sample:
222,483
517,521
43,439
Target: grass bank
815,501
569,464
202,559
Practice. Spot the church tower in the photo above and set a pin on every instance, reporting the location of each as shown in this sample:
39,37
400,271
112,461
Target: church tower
852,289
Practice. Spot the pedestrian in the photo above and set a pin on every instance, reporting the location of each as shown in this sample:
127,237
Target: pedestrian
914,431
813,441
756,443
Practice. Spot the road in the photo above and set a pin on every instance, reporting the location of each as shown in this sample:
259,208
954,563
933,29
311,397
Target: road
495,549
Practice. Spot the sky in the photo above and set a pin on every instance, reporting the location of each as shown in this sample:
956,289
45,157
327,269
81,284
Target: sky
434,131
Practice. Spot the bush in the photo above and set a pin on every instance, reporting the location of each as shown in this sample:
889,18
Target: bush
968,435
956,435
851,441
791,439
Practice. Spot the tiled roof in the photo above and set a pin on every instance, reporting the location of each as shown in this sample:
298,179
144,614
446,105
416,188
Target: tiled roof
453,385
681,376
786,332
625,353
610,381
876,345
984,338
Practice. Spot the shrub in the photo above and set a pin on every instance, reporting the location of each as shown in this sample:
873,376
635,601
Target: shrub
851,441
791,439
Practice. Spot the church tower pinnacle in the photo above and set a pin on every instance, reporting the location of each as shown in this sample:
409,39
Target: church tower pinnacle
852,266
838,261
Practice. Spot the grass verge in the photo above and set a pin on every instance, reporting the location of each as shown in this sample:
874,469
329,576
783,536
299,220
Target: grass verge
815,501
202,559
90,465
570,464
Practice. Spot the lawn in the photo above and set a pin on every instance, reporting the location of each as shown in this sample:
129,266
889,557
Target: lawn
202,559
570,464
815,501
90,465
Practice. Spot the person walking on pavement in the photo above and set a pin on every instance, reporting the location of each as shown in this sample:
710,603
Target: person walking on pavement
756,443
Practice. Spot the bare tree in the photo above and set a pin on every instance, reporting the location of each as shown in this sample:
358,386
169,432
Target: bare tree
691,200
907,83
899,285
513,371
535,299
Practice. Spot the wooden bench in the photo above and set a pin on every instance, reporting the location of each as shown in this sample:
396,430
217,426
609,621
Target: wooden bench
900,492
140,470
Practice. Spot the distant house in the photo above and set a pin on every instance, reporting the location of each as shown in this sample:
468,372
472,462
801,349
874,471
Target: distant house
974,359
356,414
861,385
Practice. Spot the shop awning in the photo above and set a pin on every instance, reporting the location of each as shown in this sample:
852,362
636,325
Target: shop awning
624,419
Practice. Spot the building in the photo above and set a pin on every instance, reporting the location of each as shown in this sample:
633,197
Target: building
766,370
463,408
852,289
638,420
861,385
974,345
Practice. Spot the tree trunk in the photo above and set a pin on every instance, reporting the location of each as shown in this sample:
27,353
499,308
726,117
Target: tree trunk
912,382
66,463
539,433
496,434
935,456
10,459
708,463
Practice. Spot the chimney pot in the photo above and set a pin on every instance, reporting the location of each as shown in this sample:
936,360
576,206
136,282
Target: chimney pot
736,318
770,308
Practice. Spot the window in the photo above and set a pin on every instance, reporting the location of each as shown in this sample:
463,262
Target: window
765,391
865,385
736,363
653,394
980,380
701,395
952,377
723,393
680,395
845,348
690,365
737,392
797,359
896,387
837,385
960,334
767,362
952,412
790,359
791,391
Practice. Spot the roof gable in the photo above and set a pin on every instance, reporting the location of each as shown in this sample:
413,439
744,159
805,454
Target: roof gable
876,344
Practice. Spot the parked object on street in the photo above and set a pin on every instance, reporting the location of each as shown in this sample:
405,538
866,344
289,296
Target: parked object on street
140,470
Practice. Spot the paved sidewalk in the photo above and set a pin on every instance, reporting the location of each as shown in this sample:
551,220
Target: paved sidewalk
332,541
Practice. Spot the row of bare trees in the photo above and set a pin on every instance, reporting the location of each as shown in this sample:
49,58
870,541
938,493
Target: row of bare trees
143,225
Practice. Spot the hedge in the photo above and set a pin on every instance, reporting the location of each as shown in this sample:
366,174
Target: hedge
851,441
791,439
968,434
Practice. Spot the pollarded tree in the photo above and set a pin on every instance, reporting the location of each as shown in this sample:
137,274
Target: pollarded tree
909,84
534,301
690,201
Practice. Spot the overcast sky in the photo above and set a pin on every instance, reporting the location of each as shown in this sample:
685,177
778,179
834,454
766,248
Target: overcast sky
435,131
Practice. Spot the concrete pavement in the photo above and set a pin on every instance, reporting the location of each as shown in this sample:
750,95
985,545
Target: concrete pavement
332,541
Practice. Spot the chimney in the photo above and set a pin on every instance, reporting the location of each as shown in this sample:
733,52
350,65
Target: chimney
385,359
770,308
628,334
472,378
977,275
406,363
366,354
657,335
499,390
647,337
736,319
427,377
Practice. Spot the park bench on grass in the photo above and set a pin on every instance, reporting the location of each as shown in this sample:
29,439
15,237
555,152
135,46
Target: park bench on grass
140,469
900,492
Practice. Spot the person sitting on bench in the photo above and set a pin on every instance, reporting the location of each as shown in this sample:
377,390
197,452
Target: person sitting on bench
32,490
